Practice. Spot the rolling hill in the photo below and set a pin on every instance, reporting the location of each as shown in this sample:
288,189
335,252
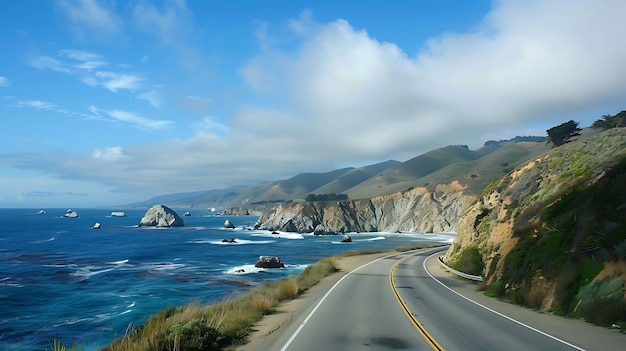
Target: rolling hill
473,168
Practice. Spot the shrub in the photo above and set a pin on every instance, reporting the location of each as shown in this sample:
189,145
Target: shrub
605,312
470,261
194,335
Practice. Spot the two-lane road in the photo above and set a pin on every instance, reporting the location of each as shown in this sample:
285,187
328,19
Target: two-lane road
384,304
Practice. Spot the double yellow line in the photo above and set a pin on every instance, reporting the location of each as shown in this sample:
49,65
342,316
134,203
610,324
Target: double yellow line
429,339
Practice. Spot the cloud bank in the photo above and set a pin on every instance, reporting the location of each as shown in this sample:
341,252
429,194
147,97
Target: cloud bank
338,96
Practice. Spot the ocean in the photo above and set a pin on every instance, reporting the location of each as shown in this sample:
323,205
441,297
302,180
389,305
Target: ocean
60,279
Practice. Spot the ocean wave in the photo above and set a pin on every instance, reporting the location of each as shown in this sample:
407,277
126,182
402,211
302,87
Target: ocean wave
236,241
88,272
118,263
245,269
163,266
44,241
6,282
251,269
280,235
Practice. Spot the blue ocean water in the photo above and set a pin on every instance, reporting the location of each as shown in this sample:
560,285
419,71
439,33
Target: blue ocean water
61,279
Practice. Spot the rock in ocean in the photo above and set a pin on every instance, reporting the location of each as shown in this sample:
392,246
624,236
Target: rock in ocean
161,216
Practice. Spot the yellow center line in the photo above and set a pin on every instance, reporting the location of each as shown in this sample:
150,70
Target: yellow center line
429,339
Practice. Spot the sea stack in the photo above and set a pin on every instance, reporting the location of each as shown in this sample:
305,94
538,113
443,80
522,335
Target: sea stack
161,216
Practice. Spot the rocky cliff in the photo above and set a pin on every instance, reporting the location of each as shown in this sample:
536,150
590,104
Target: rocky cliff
415,210
552,233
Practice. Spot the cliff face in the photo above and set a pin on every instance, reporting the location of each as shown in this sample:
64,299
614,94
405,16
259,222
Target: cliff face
416,210
546,230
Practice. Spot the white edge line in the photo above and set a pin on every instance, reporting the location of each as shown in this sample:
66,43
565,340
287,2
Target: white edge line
496,312
304,322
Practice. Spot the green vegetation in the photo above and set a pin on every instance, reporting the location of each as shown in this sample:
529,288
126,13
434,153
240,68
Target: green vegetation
58,346
470,261
563,133
326,197
608,121
568,243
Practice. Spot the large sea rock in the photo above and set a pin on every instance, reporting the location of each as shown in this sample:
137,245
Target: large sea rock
161,216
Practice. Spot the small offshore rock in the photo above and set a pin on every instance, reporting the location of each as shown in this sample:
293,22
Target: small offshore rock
269,262
228,224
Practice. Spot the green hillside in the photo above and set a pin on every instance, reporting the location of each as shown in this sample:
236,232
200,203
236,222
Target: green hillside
474,168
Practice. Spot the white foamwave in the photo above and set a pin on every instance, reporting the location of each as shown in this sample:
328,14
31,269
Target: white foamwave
372,239
44,241
280,235
237,241
163,266
88,272
5,282
245,269
119,263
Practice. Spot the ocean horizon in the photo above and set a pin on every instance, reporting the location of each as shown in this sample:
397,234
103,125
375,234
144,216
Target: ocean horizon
61,279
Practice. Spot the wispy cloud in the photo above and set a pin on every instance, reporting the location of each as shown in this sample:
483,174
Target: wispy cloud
48,106
47,62
89,68
170,23
38,104
49,194
129,117
152,96
115,81
4,81
90,15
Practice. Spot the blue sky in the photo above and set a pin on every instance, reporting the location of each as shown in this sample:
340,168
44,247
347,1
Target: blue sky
113,102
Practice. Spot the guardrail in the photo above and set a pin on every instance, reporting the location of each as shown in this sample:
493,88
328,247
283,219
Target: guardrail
477,278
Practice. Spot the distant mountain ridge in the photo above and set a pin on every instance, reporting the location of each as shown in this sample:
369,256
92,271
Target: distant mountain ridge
473,168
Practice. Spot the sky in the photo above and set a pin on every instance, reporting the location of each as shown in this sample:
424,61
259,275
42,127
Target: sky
106,102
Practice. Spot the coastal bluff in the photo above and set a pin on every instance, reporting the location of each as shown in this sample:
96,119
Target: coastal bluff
415,210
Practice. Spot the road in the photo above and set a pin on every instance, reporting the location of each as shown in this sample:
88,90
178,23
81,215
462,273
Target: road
395,304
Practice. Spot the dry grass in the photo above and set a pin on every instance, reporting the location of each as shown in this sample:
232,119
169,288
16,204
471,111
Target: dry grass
226,323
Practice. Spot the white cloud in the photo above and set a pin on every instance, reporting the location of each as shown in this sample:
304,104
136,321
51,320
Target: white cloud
4,81
115,81
110,153
86,60
527,61
211,125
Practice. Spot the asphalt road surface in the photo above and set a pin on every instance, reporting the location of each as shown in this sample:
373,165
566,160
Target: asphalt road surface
394,303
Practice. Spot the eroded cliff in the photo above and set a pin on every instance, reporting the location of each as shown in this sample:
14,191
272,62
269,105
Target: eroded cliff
415,210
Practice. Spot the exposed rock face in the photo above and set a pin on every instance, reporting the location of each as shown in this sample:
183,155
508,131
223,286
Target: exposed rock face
531,241
161,216
417,210
228,224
